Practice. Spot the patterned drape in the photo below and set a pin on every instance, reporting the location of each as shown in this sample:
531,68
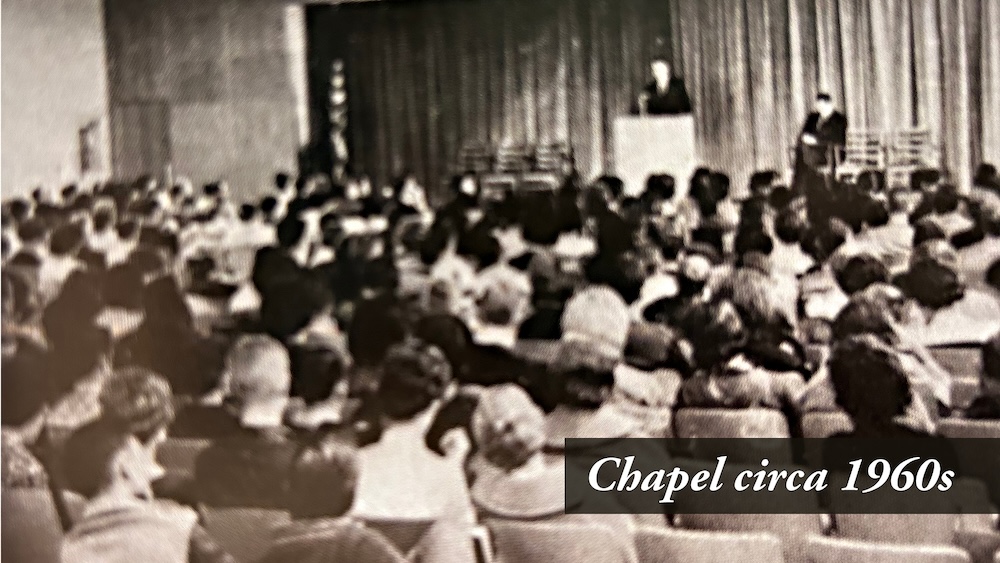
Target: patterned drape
426,77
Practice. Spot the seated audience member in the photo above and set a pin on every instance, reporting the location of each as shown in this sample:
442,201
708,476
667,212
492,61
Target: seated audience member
952,313
248,464
126,242
889,235
859,272
503,302
400,477
512,479
987,405
320,497
33,235
788,258
191,363
451,288
727,377
872,388
61,260
983,250
948,211
111,461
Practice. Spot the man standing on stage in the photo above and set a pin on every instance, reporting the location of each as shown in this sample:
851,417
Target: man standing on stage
666,94
819,147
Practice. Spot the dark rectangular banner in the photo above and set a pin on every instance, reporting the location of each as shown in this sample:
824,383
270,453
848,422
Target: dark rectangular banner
782,476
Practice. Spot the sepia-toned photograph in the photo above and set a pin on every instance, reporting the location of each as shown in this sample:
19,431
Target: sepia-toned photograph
500,281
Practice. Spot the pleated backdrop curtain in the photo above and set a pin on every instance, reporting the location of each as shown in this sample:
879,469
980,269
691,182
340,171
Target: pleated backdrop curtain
427,77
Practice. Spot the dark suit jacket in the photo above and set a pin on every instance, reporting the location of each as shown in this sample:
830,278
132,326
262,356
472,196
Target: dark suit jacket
248,469
832,131
673,100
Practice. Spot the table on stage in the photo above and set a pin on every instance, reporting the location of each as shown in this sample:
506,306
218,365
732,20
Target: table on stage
654,144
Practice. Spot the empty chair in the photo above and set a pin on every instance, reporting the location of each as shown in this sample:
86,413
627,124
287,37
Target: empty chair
961,428
666,545
793,529
913,529
964,390
345,541
960,361
696,424
245,533
825,424
557,543
178,455
31,529
833,550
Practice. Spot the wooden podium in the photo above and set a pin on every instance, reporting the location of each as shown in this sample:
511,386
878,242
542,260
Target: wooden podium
654,144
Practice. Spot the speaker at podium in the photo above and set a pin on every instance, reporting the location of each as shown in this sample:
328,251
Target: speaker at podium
654,144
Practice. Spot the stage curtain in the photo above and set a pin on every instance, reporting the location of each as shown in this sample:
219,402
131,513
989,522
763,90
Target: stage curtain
756,65
426,78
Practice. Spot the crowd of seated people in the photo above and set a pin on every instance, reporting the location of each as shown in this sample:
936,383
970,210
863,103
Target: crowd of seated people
347,356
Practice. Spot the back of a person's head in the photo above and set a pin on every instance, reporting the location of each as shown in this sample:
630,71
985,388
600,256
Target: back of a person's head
753,240
991,358
761,181
414,375
450,335
507,427
324,478
614,185
869,381
259,372
246,212
875,212
91,451
32,231
104,217
871,181
860,272
752,293
662,186
932,284
790,226
66,240
164,296
292,303
946,199
17,210
374,328
128,229
715,330
290,231
282,180
580,379
479,246
863,316
267,205
780,198
924,177
138,401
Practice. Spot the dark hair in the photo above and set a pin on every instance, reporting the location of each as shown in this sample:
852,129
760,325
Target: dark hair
762,179
790,226
861,317
753,240
860,272
290,231
932,284
780,198
716,332
985,175
291,304
104,217
946,198
324,477
376,326
247,212
89,451
876,213
127,229
927,229
662,186
212,189
869,381
66,240
991,358
871,181
479,245
281,180
614,184
32,230
414,374
823,97
18,208
578,384
267,205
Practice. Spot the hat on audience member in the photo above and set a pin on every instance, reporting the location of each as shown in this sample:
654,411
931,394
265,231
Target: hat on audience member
598,318
258,380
